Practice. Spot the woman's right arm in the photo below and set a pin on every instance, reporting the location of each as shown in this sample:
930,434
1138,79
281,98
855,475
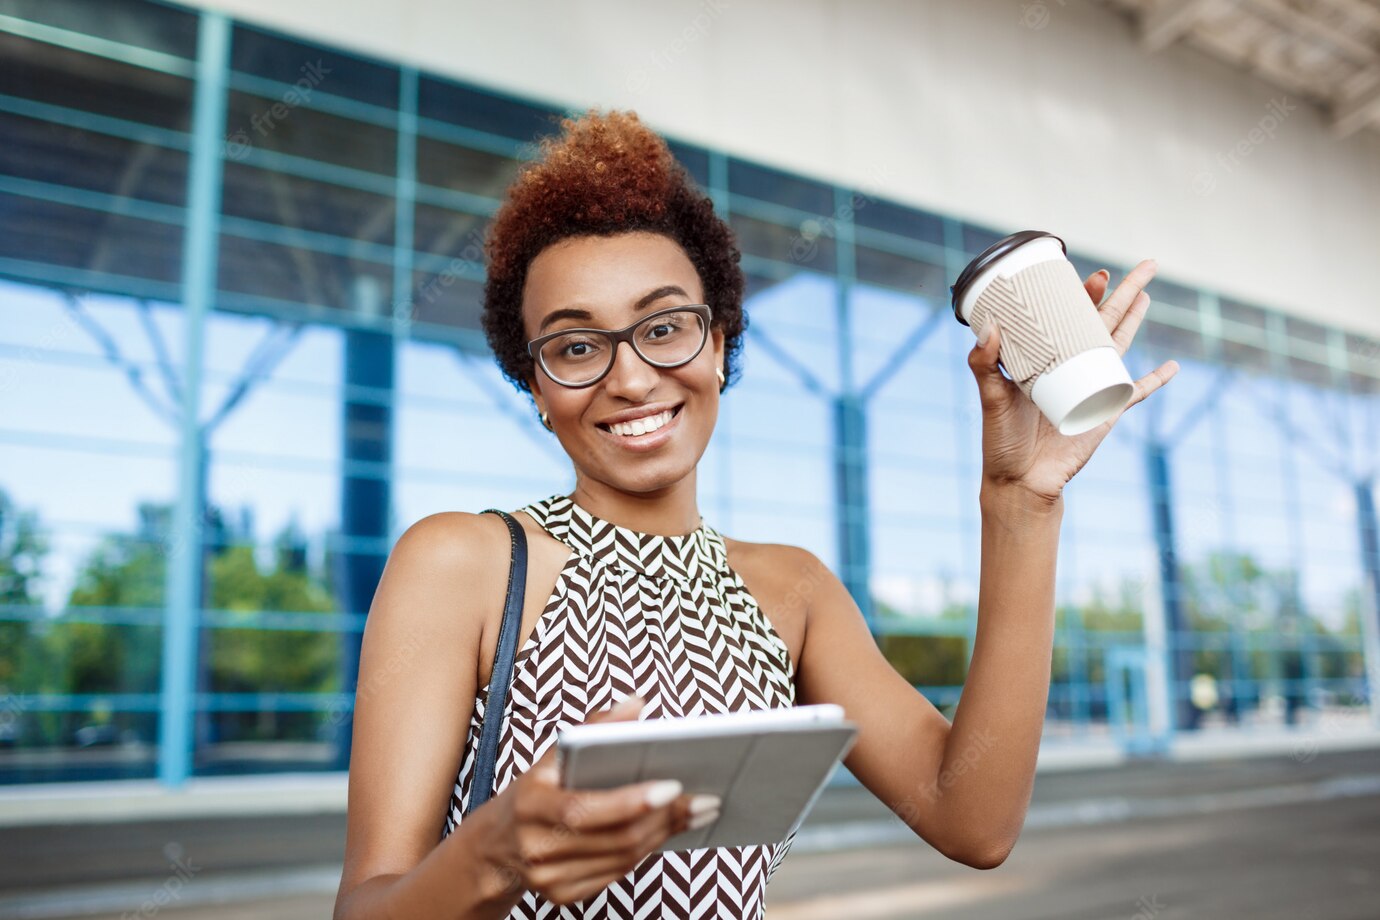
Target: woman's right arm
413,703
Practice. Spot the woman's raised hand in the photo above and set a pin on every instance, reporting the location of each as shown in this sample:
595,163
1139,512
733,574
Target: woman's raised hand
1021,450
568,844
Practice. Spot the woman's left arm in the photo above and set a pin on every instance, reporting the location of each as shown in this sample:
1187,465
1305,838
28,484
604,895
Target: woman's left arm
988,770
965,787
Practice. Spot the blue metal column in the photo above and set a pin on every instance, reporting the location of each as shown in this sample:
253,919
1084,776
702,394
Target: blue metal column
850,480
1180,648
367,436
1369,541
405,204
850,427
1363,489
371,355
184,558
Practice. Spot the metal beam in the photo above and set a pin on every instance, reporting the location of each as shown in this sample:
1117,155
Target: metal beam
1353,112
365,501
1369,543
1168,22
1185,717
184,557
1297,24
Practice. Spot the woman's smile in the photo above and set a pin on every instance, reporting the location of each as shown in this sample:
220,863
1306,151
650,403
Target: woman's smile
651,440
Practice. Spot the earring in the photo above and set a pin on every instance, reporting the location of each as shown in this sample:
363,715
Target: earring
546,423
722,381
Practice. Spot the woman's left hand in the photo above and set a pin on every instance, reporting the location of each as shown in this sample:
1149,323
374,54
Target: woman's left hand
1021,449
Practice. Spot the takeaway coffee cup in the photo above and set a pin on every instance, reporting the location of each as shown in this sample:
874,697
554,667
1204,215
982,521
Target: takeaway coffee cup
1053,342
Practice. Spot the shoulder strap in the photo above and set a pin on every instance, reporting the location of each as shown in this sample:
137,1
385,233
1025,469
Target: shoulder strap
482,785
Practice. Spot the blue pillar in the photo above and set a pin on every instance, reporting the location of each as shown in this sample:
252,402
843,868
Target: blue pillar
365,485
370,358
1370,568
850,424
1180,648
850,479
182,613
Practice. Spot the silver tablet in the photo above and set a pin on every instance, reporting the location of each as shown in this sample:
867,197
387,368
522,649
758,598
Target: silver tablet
767,765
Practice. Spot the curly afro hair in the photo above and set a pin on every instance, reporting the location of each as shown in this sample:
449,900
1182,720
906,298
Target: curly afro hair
604,175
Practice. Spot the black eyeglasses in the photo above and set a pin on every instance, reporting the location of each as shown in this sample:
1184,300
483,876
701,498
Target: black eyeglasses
582,357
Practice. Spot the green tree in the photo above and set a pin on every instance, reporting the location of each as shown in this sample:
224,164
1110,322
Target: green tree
126,575
23,545
251,659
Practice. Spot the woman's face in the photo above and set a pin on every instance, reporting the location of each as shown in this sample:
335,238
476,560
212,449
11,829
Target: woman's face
608,277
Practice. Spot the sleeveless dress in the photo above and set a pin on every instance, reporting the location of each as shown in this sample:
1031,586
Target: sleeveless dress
663,617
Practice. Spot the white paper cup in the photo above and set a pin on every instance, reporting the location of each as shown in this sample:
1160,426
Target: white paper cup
1053,341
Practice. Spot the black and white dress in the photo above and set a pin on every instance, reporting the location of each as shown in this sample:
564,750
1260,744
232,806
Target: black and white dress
663,617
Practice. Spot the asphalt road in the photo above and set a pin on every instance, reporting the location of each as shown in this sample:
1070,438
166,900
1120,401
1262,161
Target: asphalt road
1248,837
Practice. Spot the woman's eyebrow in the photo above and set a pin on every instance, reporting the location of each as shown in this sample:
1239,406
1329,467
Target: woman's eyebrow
645,301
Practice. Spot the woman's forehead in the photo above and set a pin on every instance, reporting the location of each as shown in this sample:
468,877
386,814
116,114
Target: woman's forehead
605,275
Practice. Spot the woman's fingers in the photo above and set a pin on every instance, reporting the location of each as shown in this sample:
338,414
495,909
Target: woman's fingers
1153,381
1129,324
1126,293
587,810
631,840
574,865
586,836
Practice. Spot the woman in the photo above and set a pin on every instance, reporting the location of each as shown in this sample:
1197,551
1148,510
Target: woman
654,609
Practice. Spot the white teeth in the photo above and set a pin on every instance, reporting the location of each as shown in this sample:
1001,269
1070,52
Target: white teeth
642,425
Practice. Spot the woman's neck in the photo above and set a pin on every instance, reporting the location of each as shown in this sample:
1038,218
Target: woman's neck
671,511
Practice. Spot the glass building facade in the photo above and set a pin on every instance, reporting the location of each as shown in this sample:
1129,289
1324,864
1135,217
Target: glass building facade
240,352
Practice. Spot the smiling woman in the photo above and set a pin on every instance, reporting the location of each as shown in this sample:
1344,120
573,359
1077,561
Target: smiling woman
633,598
633,601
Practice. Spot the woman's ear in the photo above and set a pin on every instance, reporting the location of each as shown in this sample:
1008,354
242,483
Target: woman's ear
534,389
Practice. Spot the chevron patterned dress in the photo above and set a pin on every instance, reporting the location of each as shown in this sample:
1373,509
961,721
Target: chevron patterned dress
663,617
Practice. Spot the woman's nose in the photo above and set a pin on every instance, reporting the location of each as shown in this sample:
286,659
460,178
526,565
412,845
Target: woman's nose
629,371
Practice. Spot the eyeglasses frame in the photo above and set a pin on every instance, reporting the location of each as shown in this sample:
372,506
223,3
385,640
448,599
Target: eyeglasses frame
622,335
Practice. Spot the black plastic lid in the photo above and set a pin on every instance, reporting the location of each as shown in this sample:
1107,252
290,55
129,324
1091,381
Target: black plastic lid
989,255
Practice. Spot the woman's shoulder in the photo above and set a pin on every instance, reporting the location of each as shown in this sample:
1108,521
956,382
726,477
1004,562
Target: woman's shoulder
451,537
778,570
453,551
443,576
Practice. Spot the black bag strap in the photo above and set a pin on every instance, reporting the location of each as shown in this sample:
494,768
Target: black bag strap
482,786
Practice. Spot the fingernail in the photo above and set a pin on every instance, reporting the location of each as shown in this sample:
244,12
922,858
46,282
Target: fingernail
986,334
699,804
1103,271
699,821
660,793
